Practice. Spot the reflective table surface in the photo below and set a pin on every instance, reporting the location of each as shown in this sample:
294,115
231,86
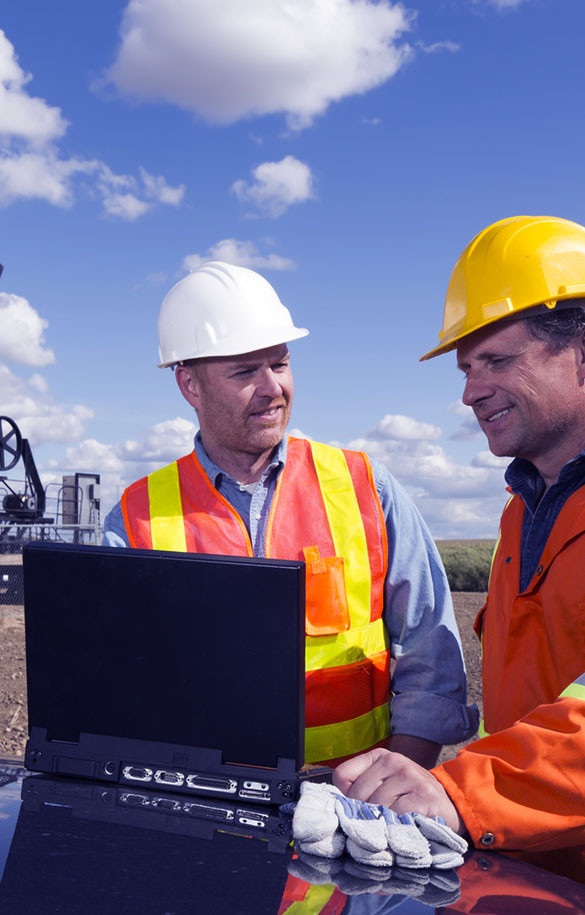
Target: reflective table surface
68,846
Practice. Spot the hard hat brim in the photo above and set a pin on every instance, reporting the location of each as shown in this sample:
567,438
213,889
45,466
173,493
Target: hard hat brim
239,345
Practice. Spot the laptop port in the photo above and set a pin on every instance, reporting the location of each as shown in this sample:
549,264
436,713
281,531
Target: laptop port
252,818
134,800
257,786
254,795
137,773
168,777
165,803
211,783
208,813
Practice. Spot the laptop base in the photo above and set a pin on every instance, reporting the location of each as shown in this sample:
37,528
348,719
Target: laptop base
196,771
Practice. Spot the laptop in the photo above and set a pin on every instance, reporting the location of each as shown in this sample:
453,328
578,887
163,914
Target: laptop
81,847
164,670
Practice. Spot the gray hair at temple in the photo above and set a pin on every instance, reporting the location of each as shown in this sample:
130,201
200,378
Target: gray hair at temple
559,326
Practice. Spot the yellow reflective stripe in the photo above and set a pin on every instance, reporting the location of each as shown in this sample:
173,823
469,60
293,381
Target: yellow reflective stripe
315,899
345,647
574,691
347,527
481,731
329,741
166,510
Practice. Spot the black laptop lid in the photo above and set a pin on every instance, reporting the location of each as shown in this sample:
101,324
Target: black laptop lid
204,651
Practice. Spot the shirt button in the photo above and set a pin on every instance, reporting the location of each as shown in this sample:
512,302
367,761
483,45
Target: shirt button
242,488
508,559
539,570
487,839
258,517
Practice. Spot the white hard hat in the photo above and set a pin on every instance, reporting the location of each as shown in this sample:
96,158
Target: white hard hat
221,310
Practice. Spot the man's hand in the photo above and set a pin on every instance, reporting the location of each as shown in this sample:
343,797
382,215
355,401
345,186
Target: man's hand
382,777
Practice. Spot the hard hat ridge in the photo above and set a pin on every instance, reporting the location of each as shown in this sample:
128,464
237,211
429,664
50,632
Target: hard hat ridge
221,310
511,266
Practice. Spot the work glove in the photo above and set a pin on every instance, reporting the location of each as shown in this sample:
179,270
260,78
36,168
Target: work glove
391,884
325,823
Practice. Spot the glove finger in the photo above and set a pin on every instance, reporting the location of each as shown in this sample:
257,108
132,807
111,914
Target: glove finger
314,817
425,861
446,880
435,829
331,846
369,871
444,857
361,823
356,885
403,837
299,867
382,858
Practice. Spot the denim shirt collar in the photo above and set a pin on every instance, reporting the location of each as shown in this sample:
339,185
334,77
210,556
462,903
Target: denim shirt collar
524,479
216,474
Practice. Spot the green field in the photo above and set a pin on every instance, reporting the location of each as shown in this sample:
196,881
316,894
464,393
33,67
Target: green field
467,563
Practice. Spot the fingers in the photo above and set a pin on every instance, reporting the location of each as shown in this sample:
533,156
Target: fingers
348,772
383,777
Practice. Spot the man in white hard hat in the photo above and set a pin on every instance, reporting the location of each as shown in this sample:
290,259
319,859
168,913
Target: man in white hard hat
374,582
515,313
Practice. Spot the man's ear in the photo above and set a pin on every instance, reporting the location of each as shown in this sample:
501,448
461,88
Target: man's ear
188,385
580,358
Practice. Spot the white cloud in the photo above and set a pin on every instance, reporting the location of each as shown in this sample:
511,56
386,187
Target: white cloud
126,206
399,428
39,175
30,405
21,115
22,332
31,166
450,46
156,188
276,186
231,60
500,4
456,500
241,254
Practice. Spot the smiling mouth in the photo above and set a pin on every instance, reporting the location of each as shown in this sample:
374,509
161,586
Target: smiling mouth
498,415
267,414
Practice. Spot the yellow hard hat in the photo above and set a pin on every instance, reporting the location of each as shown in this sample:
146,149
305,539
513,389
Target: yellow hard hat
512,265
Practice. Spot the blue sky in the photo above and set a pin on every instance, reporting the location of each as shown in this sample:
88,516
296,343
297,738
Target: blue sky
347,150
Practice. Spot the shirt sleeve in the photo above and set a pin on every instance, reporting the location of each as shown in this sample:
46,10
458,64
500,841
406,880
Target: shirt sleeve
115,529
429,684
522,787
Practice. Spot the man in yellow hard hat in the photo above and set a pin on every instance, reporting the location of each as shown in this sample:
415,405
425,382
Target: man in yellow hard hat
374,582
515,313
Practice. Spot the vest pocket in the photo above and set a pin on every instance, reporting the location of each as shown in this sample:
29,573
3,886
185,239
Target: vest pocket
326,607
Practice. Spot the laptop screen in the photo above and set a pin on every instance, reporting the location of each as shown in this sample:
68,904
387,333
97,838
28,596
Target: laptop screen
177,648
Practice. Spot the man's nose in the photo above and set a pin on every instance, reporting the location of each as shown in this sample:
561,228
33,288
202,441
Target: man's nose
269,385
476,389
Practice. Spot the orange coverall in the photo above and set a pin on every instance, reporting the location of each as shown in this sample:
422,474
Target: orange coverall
523,786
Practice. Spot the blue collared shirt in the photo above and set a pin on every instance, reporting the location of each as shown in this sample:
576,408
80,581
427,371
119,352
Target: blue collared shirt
541,511
428,681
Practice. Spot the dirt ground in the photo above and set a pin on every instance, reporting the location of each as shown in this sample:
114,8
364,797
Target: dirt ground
13,723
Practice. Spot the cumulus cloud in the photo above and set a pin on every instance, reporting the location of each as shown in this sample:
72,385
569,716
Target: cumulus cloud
450,46
276,186
500,4
39,418
241,254
22,331
231,60
455,499
31,166
21,115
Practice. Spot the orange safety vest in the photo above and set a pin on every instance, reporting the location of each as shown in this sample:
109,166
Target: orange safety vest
523,786
326,511
533,643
